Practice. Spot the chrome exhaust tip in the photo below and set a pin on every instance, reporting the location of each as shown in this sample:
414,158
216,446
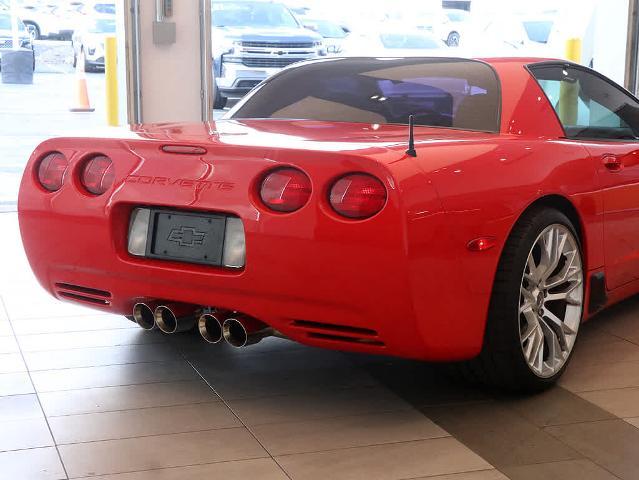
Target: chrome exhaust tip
144,315
244,331
175,317
210,327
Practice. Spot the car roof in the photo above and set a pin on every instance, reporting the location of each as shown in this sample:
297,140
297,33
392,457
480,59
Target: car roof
520,60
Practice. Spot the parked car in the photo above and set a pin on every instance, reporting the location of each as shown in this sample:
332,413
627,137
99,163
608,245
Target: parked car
434,21
46,20
332,33
6,36
459,22
430,208
502,35
98,7
88,42
396,42
252,40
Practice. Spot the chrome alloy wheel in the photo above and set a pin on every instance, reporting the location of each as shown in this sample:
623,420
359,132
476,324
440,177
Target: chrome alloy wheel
551,300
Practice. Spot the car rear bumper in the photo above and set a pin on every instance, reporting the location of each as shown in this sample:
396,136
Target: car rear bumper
374,286
98,62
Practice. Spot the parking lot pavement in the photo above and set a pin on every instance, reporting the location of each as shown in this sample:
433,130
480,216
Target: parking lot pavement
53,56
30,114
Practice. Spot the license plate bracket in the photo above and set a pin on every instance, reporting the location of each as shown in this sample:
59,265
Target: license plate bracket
186,236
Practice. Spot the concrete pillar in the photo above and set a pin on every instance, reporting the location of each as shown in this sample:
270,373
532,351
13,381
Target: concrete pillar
632,49
168,60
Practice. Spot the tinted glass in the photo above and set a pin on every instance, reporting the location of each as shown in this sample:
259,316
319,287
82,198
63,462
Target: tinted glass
587,105
439,92
326,29
108,8
409,41
252,14
538,31
5,23
457,15
103,25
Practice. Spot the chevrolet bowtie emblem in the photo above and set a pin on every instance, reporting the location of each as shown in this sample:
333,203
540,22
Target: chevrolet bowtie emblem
186,236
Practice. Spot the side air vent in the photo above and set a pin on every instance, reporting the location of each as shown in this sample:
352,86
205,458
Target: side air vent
83,294
338,333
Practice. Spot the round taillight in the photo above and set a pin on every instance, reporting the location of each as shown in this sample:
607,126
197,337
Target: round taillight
51,171
97,175
357,195
285,189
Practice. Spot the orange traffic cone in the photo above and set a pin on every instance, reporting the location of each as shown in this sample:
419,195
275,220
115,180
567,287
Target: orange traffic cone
82,103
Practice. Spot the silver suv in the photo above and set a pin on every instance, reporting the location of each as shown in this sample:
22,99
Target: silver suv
253,40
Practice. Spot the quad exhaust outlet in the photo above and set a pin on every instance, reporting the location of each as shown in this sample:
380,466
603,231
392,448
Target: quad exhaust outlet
242,331
168,317
210,326
175,317
237,329
144,315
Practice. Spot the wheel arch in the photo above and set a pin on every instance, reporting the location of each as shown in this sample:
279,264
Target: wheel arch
557,202
564,205
596,293
35,24
551,201
494,335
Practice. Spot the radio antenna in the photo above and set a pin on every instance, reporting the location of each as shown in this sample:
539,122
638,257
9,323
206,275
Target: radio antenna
411,137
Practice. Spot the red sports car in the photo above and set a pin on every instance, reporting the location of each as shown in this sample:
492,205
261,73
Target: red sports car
436,209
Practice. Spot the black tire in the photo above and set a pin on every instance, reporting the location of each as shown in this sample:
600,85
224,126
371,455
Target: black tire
501,362
34,30
220,101
88,67
453,39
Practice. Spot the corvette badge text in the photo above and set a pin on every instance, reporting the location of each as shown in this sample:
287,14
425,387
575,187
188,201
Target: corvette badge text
180,182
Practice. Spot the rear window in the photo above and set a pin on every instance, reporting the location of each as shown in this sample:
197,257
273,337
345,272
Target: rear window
408,41
6,24
538,31
454,93
107,8
103,25
325,28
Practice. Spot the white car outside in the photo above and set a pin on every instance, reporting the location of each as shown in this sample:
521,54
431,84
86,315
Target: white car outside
395,43
88,41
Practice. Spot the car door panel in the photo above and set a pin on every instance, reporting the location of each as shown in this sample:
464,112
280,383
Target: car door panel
605,119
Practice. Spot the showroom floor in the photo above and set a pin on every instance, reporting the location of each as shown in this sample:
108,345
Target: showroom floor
85,395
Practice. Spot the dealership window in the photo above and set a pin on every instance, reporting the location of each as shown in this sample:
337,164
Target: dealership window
587,105
452,93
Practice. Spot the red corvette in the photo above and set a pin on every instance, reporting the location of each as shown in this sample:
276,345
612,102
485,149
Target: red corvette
484,232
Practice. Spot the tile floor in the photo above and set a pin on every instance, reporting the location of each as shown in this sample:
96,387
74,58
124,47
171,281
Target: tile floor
86,395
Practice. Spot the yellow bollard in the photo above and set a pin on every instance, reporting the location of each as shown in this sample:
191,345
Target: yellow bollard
573,50
111,79
569,92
